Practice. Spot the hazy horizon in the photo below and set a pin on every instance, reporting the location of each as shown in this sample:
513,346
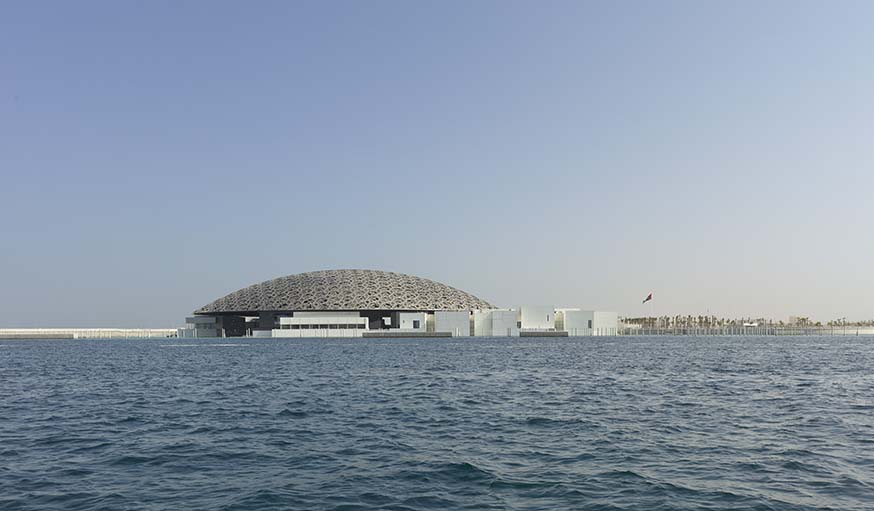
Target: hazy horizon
159,155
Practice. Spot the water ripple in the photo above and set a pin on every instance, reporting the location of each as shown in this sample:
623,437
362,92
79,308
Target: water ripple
593,424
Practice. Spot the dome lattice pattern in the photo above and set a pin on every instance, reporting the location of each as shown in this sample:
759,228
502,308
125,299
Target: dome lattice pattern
345,290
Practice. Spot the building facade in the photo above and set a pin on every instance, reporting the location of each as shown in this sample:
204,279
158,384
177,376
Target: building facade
355,303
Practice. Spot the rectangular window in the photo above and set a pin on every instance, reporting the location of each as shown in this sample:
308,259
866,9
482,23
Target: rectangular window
415,323
590,323
295,327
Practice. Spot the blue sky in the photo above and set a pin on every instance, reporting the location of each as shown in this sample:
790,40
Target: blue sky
157,155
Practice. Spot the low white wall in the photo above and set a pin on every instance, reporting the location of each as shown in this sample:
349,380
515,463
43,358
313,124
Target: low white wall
88,333
317,333
324,319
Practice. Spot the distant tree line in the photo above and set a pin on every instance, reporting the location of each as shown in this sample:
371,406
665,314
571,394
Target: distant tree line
844,322
716,322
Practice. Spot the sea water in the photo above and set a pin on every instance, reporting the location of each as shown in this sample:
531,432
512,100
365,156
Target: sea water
611,423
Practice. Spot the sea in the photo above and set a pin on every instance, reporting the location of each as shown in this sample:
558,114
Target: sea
598,423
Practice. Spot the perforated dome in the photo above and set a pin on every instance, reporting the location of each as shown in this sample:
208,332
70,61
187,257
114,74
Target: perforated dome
344,290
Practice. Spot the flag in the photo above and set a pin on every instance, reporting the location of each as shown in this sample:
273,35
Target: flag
648,298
